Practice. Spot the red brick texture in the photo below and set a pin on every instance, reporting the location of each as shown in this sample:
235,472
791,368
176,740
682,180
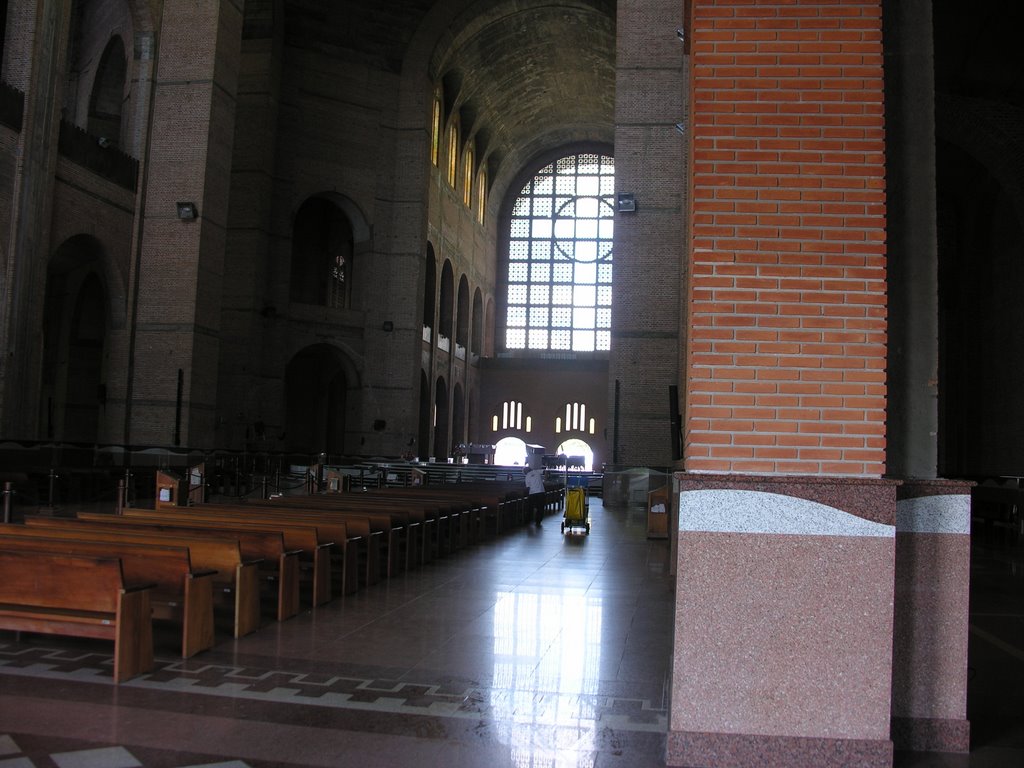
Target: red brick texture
786,368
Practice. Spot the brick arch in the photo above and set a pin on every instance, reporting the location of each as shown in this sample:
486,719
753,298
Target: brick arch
114,283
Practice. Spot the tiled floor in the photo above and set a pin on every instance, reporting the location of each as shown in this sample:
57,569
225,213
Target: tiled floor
535,650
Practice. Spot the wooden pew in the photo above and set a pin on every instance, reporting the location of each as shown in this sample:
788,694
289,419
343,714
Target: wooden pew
180,593
79,596
318,544
266,546
314,548
237,576
491,494
374,534
464,512
496,505
411,527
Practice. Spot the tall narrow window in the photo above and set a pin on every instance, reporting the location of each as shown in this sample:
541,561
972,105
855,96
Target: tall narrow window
481,194
575,419
435,131
453,153
560,257
511,415
467,176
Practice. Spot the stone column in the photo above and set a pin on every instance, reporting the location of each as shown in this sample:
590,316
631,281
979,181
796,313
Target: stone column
181,266
933,570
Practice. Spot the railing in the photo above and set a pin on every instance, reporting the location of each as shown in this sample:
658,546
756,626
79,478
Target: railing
48,476
91,152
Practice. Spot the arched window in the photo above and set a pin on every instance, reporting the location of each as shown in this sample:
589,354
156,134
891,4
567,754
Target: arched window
322,255
559,275
107,95
452,153
435,130
481,194
467,176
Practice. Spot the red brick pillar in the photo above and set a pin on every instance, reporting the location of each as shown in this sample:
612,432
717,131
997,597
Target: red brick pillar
786,370
181,264
786,540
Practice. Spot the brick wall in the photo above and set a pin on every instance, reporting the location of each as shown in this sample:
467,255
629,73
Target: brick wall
786,369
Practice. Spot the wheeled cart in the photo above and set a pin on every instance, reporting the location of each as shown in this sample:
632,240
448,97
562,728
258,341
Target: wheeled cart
577,511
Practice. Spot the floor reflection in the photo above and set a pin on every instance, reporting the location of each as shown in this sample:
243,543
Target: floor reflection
547,659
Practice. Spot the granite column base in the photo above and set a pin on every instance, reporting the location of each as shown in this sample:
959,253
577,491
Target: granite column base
784,622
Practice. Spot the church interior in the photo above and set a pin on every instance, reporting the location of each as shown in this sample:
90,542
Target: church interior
756,257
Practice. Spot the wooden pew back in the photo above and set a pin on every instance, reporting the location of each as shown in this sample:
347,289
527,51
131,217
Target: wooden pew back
80,596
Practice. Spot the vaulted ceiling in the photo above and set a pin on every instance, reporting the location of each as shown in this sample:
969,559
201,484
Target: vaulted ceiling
525,76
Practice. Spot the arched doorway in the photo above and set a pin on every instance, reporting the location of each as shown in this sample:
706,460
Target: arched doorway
76,319
462,316
429,293
441,447
317,386
458,415
578,453
423,447
510,451
447,301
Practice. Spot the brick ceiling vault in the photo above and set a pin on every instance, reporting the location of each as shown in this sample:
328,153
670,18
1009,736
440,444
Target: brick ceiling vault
526,76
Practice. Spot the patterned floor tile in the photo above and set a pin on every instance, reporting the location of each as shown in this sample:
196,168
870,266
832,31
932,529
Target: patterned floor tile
107,757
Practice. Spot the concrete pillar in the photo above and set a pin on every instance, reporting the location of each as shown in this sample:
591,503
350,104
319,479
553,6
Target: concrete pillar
42,38
173,379
912,240
650,164
250,322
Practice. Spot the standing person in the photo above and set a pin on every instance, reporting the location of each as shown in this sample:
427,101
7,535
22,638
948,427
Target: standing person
535,485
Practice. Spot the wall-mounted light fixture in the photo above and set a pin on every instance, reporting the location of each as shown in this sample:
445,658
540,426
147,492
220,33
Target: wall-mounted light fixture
103,141
187,211
626,202
681,129
681,34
